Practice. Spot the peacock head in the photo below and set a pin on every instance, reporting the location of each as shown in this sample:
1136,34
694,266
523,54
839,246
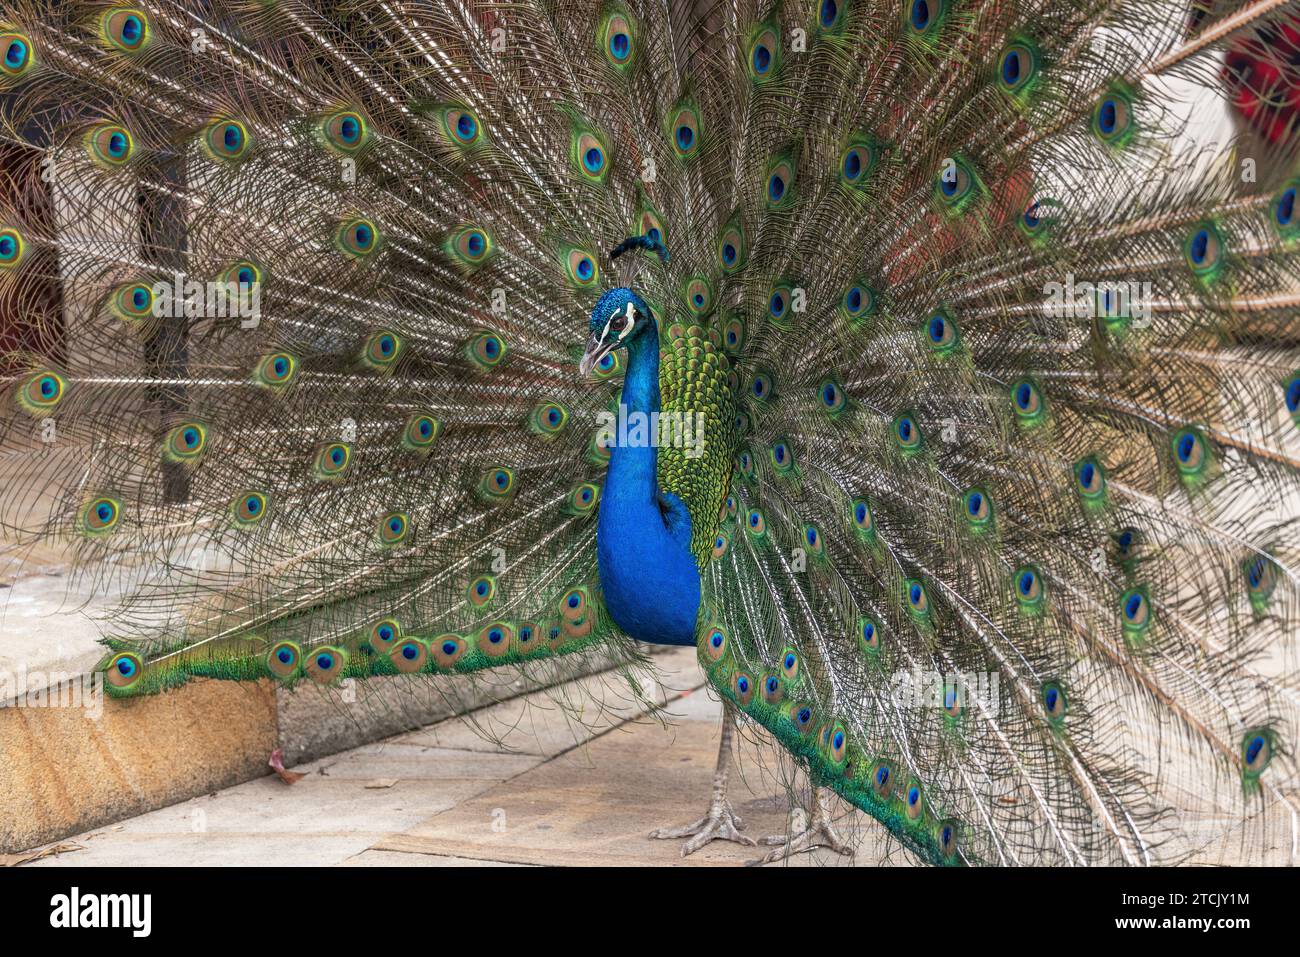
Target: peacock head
619,317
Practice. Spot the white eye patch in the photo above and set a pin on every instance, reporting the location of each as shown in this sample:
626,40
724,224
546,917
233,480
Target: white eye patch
621,322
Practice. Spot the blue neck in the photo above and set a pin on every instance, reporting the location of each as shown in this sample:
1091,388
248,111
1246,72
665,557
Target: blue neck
648,575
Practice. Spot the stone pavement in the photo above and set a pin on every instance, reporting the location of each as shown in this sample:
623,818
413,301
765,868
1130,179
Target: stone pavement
574,775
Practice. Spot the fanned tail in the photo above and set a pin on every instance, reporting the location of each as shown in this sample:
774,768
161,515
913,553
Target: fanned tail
997,518
1010,554
315,412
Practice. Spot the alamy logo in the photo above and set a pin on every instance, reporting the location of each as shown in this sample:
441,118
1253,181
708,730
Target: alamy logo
103,910
673,429
1099,300
211,300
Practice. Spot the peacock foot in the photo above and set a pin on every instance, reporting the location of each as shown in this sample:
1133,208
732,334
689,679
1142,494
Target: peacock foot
720,824
819,832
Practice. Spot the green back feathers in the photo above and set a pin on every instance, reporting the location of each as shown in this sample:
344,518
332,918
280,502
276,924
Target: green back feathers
697,419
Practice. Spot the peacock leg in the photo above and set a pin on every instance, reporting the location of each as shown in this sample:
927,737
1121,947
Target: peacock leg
721,822
820,832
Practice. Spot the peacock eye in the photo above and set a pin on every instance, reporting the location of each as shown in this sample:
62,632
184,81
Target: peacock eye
618,322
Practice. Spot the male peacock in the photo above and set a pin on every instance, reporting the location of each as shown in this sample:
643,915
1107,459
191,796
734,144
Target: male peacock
945,401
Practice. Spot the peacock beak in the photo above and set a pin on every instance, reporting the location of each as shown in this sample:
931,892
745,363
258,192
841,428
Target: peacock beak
599,345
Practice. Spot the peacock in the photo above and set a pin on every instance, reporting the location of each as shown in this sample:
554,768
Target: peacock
909,359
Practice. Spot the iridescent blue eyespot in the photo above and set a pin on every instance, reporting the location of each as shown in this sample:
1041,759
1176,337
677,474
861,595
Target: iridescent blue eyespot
1107,116
1284,211
920,16
1011,68
1200,246
15,54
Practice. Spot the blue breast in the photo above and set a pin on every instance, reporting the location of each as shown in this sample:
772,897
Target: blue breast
648,574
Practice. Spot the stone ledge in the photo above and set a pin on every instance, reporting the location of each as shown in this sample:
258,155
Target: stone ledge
69,769
65,771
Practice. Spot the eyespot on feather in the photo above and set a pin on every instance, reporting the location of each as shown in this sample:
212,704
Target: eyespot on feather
325,665
100,516
357,238
409,656
276,371
420,432
385,634
763,54
124,670
284,660
41,393
345,131
185,442
124,29
497,484
486,349
1029,589
16,55
382,349
12,247
109,145
249,508
332,461
394,528
226,140
447,650
617,39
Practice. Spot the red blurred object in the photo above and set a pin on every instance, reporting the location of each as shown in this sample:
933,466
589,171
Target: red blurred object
1262,73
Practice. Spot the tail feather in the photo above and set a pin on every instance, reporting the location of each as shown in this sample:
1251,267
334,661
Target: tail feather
1011,365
